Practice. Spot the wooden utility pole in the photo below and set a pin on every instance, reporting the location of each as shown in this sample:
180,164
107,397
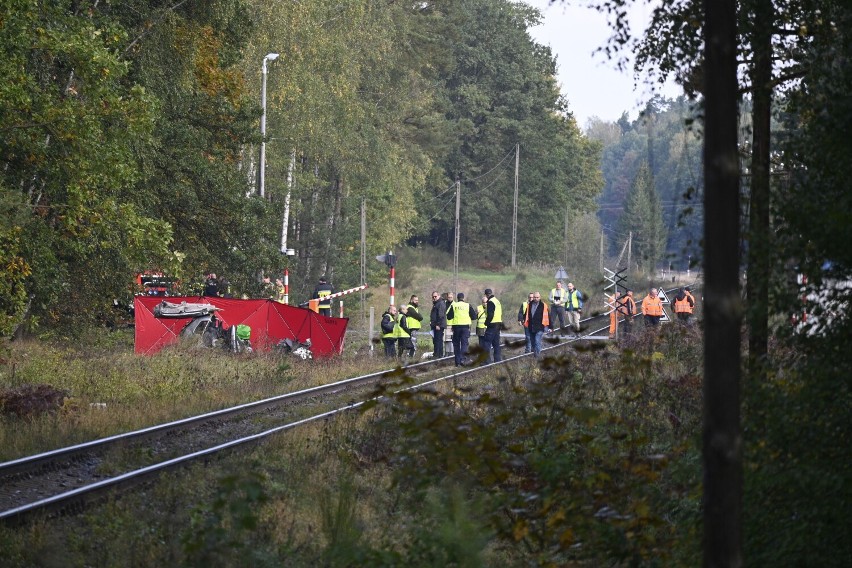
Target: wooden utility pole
722,438
515,209
457,237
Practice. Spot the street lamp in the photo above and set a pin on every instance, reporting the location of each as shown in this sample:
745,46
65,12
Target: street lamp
269,57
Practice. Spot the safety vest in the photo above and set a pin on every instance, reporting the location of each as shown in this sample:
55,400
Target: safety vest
481,313
323,303
652,306
413,323
626,306
498,311
397,329
392,333
461,313
545,318
573,300
682,306
556,295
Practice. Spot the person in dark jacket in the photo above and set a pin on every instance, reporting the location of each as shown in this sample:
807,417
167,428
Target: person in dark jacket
684,304
537,321
522,316
493,325
211,286
323,290
438,323
388,326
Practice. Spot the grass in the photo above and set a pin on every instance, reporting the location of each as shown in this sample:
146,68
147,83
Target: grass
379,488
461,474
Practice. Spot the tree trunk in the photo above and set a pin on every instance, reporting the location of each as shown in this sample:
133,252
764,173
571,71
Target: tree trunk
759,245
722,453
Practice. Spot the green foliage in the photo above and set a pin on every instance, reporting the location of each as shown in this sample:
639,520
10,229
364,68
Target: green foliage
643,216
222,534
566,462
665,139
14,270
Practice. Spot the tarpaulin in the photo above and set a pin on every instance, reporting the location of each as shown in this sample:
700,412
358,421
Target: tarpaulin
270,322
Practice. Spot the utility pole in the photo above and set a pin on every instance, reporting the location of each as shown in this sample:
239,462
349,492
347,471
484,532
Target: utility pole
567,210
363,257
515,209
629,249
602,249
457,236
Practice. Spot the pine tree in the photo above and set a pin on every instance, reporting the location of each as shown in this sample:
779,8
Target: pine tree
643,216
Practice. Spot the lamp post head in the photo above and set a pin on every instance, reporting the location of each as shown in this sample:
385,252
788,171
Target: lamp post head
271,56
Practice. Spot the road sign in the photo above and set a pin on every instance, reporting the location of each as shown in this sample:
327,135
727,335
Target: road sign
663,297
561,274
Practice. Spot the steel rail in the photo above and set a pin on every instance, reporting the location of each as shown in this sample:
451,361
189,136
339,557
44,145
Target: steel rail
29,463
80,494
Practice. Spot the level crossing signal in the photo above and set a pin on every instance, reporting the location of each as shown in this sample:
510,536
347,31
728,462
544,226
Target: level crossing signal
616,281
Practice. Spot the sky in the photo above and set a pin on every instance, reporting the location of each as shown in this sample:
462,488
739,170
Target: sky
591,83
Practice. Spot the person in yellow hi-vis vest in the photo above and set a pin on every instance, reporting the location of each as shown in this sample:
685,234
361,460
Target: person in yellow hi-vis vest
493,325
480,321
460,314
413,320
388,326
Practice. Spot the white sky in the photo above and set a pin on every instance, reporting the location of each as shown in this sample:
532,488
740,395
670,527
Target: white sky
589,81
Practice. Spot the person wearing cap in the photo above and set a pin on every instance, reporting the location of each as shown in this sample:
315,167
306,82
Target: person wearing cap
684,304
493,324
413,320
460,314
321,292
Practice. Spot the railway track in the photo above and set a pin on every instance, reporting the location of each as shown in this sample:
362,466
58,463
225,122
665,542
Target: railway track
66,478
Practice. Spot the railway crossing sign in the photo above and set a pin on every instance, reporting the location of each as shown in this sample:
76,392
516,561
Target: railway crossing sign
561,274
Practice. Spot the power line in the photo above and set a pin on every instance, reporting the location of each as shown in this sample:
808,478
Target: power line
511,153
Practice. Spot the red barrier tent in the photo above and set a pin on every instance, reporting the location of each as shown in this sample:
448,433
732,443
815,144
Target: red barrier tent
270,322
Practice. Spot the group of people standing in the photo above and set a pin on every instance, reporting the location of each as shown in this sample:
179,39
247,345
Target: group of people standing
538,318
652,309
400,326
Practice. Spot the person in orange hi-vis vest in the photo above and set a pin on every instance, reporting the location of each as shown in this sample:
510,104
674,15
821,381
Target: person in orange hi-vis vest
652,309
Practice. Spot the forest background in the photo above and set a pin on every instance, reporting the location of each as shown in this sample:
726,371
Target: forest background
130,142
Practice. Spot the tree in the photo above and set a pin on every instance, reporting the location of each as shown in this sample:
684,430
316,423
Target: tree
643,217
